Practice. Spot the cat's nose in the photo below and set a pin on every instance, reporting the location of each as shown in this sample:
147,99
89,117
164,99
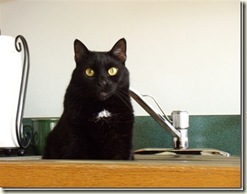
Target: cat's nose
102,83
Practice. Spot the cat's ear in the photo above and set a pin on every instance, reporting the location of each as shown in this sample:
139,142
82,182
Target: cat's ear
119,50
81,51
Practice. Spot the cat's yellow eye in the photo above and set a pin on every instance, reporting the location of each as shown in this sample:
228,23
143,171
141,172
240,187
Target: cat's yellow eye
89,72
112,71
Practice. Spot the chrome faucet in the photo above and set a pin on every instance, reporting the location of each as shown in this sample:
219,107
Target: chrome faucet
177,127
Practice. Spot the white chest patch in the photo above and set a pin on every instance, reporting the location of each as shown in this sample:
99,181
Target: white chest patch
103,114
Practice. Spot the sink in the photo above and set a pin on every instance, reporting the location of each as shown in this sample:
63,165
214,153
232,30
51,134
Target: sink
196,156
176,152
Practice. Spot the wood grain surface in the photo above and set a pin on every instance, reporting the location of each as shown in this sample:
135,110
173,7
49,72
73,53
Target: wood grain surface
90,174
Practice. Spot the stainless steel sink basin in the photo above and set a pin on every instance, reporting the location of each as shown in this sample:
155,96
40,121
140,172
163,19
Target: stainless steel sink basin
176,152
192,156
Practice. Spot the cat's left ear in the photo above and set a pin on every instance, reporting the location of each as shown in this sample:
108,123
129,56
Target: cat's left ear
119,50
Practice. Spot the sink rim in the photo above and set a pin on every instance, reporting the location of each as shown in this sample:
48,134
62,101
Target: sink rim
187,151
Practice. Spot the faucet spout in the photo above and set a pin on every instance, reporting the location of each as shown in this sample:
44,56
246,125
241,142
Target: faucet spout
180,141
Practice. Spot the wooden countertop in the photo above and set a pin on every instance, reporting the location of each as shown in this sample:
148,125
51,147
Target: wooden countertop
28,173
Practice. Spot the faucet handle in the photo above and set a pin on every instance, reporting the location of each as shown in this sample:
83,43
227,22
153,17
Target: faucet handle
180,119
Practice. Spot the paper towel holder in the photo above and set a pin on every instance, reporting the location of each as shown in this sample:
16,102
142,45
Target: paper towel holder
23,137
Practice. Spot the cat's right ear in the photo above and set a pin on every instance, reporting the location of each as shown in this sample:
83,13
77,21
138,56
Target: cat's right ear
81,51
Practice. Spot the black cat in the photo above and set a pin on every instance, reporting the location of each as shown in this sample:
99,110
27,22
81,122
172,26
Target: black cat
98,118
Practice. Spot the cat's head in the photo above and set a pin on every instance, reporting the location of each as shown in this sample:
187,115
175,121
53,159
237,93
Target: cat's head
99,75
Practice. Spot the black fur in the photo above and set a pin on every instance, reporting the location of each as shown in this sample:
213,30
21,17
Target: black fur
81,133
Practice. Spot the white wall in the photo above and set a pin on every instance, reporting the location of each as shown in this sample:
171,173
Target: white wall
184,53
